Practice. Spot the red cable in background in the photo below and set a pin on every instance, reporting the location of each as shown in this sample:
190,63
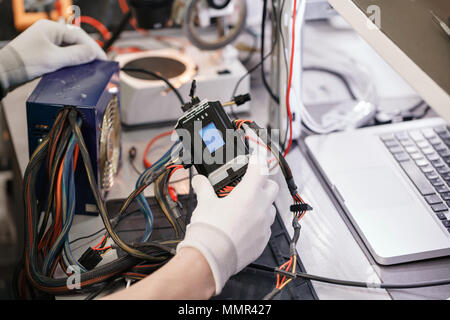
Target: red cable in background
288,95
100,27
147,163
124,7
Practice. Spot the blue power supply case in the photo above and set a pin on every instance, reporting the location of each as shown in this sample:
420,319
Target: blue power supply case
90,88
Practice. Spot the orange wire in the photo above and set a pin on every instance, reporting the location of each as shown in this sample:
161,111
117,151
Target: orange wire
58,221
287,269
278,275
124,7
242,121
100,27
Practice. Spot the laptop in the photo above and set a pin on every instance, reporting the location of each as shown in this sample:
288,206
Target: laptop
393,181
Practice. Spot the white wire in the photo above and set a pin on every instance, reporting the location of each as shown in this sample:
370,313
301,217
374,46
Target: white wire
295,96
367,94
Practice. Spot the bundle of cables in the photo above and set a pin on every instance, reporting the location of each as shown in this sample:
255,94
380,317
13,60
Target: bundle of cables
49,195
49,192
287,272
299,207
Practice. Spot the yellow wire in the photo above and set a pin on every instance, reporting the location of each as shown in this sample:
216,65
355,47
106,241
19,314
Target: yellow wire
293,271
158,195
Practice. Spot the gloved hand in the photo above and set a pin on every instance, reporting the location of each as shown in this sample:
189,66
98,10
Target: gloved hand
232,232
44,47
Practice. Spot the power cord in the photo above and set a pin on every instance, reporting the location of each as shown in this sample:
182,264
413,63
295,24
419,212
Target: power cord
131,157
359,284
157,76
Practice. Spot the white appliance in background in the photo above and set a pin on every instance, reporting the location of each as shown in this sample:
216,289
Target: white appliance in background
151,102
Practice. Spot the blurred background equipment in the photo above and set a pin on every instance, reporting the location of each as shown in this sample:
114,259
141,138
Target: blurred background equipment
147,100
27,12
151,14
229,18
208,29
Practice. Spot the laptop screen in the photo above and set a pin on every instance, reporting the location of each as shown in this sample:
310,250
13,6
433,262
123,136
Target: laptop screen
409,24
410,40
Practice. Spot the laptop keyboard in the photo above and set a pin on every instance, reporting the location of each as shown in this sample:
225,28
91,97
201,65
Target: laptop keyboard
424,156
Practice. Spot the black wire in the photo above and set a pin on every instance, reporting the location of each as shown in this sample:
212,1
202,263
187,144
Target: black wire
416,106
158,76
255,67
118,31
337,75
251,70
424,113
134,167
263,33
87,237
358,284
272,294
190,206
252,51
108,285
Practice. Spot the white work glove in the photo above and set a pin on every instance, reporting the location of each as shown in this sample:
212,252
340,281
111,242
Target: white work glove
45,47
232,232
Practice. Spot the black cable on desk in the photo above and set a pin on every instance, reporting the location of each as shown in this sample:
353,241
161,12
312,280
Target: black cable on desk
250,71
263,33
158,76
348,283
337,75
118,31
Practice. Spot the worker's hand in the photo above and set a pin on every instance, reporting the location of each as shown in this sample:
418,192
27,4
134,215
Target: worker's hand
232,232
44,47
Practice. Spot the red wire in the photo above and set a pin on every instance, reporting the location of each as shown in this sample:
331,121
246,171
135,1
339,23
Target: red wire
287,269
288,95
172,191
175,167
96,248
58,8
102,249
100,27
124,7
58,221
103,239
147,163
288,264
75,156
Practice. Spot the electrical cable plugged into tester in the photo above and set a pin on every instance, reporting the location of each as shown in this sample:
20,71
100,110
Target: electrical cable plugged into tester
47,243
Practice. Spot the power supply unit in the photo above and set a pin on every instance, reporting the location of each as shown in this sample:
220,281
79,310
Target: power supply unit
94,89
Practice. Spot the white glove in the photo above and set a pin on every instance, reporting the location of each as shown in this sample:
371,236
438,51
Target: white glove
45,47
232,232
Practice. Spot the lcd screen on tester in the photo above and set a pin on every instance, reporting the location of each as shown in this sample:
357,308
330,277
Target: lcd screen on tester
212,137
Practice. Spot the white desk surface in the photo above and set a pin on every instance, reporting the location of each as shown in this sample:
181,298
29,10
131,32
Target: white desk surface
327,246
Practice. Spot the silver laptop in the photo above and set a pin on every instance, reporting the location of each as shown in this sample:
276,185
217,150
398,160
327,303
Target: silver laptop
393,181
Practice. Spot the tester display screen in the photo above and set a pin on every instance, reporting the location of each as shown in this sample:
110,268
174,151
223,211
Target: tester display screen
211,137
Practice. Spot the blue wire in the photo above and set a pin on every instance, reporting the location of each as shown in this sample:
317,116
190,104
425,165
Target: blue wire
71,212
142,201
66,223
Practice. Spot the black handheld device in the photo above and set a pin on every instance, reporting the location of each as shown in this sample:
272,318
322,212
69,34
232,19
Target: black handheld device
212,143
